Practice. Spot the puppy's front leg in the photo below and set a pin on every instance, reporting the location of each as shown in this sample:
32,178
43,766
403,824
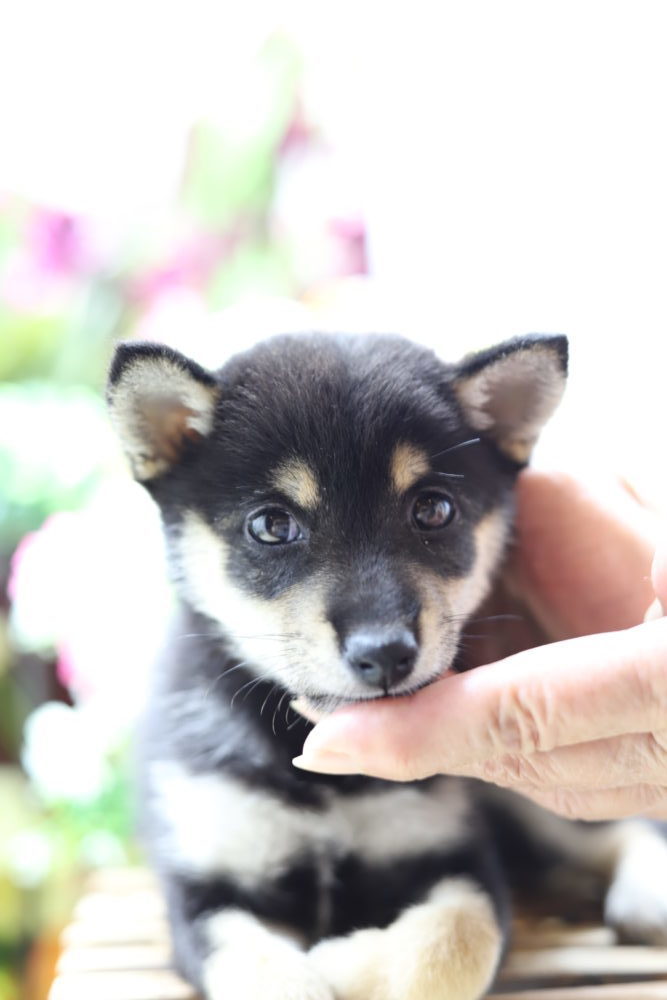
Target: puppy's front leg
232,954
446,948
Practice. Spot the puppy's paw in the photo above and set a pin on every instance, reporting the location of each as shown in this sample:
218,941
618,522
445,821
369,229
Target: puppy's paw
269,973
354,965
636,902
445,949
638,913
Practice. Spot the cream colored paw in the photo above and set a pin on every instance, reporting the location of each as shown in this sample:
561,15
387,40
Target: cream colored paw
267,975
636,902
252,960
447,948
353,965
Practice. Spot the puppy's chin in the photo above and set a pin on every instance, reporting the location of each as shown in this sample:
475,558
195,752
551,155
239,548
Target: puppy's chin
314,706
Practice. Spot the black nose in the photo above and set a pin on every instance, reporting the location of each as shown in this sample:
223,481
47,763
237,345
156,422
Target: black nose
381,660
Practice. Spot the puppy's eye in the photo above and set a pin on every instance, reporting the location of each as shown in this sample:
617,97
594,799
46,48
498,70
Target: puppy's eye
431,511
274,526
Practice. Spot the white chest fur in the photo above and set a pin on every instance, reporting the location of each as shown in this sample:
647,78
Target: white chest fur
215,825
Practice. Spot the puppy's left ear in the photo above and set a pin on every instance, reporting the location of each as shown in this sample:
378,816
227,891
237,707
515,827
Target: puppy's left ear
509,391
162,404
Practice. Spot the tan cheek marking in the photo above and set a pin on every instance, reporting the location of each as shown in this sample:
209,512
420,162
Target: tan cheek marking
297,481
468,592
463,595
408,464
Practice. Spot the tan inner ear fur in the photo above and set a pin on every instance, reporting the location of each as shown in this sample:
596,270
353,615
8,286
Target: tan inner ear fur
157,407
512,398
169,427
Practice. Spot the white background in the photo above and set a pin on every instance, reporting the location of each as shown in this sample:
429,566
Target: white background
511,160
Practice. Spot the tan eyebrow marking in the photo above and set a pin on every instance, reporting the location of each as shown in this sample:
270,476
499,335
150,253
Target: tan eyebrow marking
408,464
297,481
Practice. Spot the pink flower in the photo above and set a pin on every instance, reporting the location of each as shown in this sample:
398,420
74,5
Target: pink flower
57,244
349,235
43,274
189,267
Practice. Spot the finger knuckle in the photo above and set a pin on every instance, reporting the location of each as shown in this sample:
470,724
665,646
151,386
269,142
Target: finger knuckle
520,722
511,770
569,804
654,755
650,796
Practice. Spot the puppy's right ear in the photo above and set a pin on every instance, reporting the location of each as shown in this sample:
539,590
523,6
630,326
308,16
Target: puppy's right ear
161,403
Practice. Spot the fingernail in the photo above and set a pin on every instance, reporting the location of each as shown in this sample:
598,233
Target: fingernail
326,762
655,610
330,736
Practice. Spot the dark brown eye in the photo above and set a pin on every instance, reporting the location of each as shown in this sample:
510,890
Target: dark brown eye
274,526
431,511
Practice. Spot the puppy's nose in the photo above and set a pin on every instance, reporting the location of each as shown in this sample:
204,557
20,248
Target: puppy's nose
383,660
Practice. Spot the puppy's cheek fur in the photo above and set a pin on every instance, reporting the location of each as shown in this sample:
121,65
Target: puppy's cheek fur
448,946
447,603
491,535
287,637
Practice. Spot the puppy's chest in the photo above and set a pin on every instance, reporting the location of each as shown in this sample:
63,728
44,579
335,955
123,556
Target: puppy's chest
212,825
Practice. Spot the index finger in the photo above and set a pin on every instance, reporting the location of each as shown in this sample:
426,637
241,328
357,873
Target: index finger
557,695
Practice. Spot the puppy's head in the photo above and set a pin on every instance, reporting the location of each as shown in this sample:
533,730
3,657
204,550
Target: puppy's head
337,506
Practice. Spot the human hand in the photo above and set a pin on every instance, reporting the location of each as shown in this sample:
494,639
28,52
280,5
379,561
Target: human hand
580,725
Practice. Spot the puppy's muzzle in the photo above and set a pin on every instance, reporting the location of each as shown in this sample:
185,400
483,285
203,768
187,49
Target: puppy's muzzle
381,660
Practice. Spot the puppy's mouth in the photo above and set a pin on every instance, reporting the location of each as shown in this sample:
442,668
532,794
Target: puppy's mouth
314,706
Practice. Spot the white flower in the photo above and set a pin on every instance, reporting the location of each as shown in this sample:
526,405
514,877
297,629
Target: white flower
65,753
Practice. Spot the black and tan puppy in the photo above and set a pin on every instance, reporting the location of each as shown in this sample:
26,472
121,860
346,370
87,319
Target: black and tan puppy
335,511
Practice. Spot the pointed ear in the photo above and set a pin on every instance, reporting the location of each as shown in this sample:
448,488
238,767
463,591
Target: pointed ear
510,391
161,403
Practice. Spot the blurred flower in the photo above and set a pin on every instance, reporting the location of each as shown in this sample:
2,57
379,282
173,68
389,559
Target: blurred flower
55,443
101,848
57,243
65,753
29,857
93,585
300,132
350,236
43,273
316,214
190,266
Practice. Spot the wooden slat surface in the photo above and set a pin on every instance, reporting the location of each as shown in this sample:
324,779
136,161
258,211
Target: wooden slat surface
609,991
119,985
117,949
620,960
